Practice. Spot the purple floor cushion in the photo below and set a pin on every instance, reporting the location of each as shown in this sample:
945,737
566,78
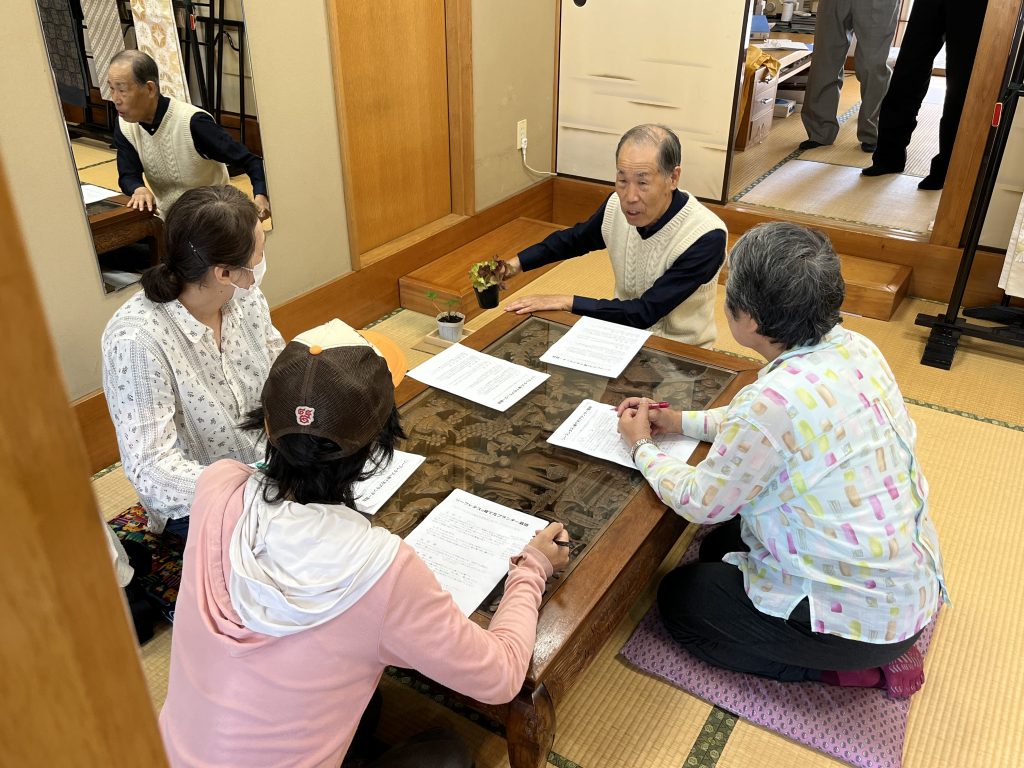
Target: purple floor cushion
859,726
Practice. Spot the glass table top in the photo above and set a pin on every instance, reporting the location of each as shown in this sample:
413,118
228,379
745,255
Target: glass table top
505,457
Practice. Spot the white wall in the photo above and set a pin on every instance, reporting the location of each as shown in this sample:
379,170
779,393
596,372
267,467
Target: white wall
513,78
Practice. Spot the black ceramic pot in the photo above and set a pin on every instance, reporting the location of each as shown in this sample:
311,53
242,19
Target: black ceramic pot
488,297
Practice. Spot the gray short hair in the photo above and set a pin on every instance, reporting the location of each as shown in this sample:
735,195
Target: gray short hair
670,153
144,68
787,278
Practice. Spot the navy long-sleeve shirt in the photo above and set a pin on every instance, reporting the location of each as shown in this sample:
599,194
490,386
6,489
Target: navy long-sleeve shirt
690,270
210,140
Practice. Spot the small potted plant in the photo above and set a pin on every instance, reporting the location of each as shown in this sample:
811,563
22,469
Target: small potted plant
485,276
449,321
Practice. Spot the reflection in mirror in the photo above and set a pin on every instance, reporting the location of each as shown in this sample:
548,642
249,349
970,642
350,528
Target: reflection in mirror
826,181
155,101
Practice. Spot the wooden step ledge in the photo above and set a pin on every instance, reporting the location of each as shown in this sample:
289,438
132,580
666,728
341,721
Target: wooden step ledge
448,276
873,288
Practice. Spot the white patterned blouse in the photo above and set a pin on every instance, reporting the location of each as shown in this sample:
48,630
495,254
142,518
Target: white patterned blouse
176,400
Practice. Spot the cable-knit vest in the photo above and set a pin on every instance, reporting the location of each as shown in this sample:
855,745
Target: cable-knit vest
637,263
169,156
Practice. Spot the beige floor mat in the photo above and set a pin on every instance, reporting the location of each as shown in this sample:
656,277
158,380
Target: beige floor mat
88,152
846,149
838,193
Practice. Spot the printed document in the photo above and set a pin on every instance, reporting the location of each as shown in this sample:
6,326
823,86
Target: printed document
371,494
467,542
476,376
593,429
597,346
91,193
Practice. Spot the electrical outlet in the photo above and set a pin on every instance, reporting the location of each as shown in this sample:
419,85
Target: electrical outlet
520,134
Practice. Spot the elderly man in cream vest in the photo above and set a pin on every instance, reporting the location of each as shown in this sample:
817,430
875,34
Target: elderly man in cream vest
665,247
177,145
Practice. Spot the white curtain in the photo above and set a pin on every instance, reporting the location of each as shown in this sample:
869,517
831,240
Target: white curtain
1012,278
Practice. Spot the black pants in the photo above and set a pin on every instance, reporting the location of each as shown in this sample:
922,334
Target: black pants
433,748
705,608
931,23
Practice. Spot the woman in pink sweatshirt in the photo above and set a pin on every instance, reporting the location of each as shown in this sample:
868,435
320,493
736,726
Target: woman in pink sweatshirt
291,604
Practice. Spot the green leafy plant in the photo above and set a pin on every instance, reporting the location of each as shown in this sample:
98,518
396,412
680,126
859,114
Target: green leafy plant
484,274
448,314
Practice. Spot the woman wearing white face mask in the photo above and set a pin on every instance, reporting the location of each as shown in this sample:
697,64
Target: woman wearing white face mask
185,359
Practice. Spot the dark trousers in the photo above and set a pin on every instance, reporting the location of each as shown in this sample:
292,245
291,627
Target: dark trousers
705,608
434,748
178,526
931,23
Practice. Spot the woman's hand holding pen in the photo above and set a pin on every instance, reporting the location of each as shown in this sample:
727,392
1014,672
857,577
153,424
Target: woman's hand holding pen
551,542
662,419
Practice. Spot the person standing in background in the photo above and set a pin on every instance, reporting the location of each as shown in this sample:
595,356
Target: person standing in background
932,24
874,24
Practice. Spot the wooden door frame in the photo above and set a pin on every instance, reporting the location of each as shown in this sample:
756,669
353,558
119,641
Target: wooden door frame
956,202
68,654
462,160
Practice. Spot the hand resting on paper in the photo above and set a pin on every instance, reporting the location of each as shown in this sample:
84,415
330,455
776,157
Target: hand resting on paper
544,542
657,421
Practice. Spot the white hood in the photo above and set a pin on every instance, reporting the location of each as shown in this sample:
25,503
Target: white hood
295,566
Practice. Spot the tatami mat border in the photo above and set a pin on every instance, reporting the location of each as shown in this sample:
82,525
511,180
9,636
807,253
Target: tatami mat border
388,316
107,471
93,165
713,735
965,414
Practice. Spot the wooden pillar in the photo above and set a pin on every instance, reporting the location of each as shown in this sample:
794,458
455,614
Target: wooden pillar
73,688
986,82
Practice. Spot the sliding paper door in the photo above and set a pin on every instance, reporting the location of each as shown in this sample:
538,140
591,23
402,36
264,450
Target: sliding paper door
657,61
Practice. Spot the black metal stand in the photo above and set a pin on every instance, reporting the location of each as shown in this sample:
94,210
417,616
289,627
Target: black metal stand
204,58
947,328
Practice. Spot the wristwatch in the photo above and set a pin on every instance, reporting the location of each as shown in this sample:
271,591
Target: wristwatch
636,447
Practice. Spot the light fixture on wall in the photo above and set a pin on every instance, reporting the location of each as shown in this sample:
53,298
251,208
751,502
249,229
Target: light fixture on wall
580,3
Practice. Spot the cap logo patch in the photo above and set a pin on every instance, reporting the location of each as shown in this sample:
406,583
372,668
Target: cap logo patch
304,415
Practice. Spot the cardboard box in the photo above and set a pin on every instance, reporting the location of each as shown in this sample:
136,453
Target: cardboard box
794,94
784,107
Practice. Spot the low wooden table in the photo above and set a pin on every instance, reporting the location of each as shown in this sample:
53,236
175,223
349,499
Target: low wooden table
624,531
114,225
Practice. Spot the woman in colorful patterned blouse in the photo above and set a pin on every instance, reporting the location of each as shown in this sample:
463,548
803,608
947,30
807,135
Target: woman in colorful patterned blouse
827,566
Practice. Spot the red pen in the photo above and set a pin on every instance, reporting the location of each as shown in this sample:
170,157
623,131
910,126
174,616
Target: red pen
652,405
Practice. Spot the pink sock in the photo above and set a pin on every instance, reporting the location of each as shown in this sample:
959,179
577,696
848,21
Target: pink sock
857,678
905,676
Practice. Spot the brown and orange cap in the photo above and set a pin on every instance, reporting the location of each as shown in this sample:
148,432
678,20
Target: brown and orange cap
333,383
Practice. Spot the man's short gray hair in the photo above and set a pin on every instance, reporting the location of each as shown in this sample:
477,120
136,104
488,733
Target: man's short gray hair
670,153
144,68
787,278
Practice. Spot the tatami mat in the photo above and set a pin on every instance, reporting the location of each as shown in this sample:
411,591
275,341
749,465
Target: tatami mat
966,714
618,717
843,194
979,383
786,133
88,152
846,149
114,494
